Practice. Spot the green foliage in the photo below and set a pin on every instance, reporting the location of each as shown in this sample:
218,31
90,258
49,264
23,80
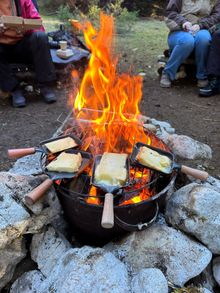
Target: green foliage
190,289
115,8
80,10
64,13
127,16
124,18
94,12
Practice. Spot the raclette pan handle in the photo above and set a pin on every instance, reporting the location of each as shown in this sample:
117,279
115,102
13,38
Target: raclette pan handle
198,174
38,192
108,212
19,153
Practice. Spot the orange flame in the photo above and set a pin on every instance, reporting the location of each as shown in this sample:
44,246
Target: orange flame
107,101
107,104
93,199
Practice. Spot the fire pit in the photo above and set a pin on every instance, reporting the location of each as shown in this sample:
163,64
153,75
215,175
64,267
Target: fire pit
84,210
106,119
139,203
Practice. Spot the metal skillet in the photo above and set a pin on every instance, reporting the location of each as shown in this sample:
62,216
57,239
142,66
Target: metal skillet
40,190
22,152
198,174
107,221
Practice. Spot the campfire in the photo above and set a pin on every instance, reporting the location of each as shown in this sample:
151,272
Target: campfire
106,124
107,119
106,108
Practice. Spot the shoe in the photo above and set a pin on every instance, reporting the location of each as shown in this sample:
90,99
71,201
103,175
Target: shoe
165,80
202,83
213,88
18,100
48,94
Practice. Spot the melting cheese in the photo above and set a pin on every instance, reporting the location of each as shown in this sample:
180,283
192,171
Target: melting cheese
154,160
65,162
60,144
111,170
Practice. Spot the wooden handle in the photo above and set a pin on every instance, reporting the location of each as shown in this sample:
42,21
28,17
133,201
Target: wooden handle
18,153
108,212
198,174
38,192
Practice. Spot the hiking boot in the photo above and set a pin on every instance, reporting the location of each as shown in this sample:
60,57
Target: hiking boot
48,94
18,100
165,80
213,88
202,83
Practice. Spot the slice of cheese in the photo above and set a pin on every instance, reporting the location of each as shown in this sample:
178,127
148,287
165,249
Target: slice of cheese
111,169
60,144
154,160
65,162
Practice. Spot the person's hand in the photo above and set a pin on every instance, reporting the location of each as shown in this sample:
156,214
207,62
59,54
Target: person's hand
19,32
2,28
195,28
187,26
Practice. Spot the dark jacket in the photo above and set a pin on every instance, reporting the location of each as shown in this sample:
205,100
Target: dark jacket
206,14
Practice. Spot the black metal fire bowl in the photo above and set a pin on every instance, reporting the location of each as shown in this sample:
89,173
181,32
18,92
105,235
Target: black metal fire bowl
85,218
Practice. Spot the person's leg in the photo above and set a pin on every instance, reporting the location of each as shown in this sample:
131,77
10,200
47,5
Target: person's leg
213,64
213,68
202,45
44,67
35,49
181,45
8,82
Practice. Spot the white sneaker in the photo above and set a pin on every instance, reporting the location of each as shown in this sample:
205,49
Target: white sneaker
165,80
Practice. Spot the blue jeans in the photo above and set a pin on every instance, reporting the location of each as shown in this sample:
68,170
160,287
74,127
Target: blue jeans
181,45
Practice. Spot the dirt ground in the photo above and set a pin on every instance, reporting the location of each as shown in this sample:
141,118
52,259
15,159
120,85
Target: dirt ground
26,127
196,117
189,114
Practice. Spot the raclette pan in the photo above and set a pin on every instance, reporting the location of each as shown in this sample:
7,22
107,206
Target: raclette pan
18,153
198,174
107,221
39,191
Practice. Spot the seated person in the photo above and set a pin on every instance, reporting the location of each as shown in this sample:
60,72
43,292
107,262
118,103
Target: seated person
189,22
213,68
26,47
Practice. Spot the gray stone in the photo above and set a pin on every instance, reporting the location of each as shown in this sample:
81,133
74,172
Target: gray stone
46,249
187,148
216,269
143,119
195,209
213,183
161,124
170,130
163,135
29,165
149,281
17,219
206,279
150,127
179,257
14,218
87,270
204,290
10,256
28,283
